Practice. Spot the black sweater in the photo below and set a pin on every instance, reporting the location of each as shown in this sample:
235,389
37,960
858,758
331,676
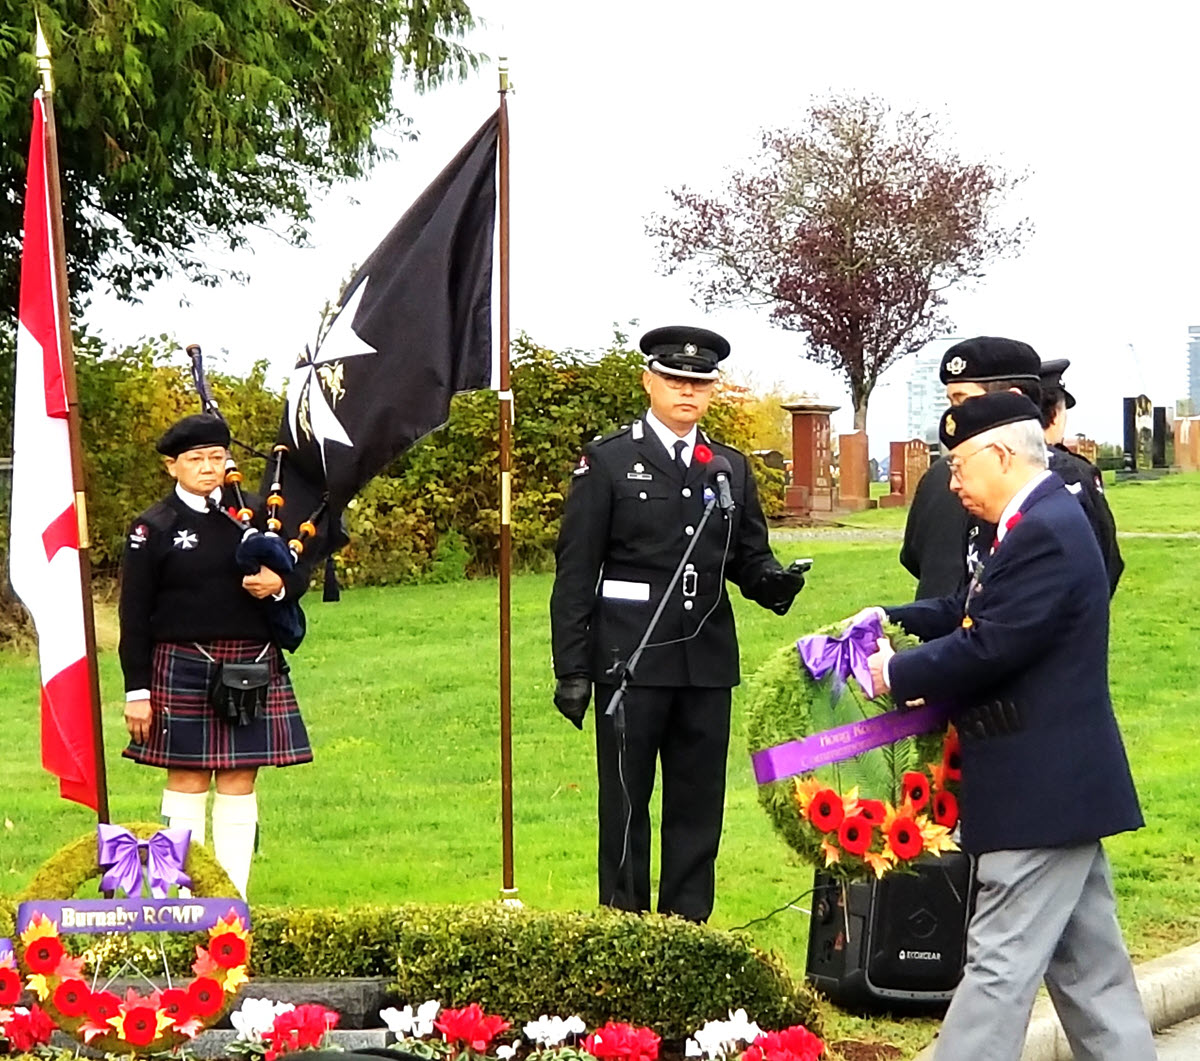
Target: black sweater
179,582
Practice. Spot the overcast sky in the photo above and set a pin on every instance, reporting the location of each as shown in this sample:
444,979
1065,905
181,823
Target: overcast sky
614,103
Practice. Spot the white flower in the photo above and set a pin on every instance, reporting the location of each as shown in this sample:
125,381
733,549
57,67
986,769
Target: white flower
505,1053
553,1031
256,1017
692,1049
426,1014
398,1021
742,1029
719,1038
404,1023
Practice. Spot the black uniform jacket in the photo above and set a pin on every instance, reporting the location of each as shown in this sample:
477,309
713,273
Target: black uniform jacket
1027,682
934,533
627,521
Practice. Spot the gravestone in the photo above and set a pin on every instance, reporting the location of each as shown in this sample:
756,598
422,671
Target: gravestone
1158,442
1187,443
1139,434
812,488
909,462
854,474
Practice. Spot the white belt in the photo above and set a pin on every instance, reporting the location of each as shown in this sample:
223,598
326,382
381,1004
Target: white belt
615,589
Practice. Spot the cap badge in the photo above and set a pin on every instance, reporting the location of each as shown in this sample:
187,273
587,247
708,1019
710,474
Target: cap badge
955,366
951,426
689,348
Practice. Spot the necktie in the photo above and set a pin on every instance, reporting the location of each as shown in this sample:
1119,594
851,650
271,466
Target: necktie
680,446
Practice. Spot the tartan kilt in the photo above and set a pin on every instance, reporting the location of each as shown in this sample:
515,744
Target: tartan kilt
186,731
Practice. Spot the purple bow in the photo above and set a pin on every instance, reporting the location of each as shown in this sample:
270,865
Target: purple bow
119,852
845,655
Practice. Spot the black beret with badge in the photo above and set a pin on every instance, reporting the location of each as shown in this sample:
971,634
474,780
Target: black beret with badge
988,359
961,423
691,353
1051,373
194,432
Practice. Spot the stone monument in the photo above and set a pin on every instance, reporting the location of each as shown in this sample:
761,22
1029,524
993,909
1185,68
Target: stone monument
812,488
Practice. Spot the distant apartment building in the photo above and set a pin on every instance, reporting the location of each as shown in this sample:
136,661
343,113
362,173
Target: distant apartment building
927,398
1194,369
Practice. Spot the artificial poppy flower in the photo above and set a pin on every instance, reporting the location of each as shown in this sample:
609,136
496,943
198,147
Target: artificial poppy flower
904,838
10,986
24,1031
915,786
139,1025
702,453
206,996
71,998
228,950
826,810
854,834
945,809
176,1004
43,955
622,1042
102,1005
952,756
871,809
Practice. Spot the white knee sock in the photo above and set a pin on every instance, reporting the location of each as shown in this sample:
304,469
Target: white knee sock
185,810
234,824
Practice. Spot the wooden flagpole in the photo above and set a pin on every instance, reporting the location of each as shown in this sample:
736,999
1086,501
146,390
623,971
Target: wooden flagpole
508,890
67,356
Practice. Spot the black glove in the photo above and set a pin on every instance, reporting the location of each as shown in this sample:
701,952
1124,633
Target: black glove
571,696
777,589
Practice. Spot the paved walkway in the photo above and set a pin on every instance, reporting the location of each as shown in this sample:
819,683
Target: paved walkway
1181,1043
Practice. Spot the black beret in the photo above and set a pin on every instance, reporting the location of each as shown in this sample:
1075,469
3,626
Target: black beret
977,415
193,432
1051,373
681,351
988,358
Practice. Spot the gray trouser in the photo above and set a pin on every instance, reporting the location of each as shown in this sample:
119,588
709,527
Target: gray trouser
1046,913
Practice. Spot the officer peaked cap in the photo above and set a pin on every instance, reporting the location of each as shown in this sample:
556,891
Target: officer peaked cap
1051,373
692,353
194,432
989,358
977,415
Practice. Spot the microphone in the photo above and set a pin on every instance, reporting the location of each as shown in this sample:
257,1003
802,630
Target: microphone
719,470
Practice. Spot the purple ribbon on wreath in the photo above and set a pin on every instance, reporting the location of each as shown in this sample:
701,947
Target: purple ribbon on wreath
118,852
844,654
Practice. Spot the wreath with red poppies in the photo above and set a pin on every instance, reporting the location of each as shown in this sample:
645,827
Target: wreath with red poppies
866,816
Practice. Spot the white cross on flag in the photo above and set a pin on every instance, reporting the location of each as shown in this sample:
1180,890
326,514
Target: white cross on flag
44,547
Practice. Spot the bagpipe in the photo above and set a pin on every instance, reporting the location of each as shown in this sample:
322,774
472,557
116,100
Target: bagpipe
258,548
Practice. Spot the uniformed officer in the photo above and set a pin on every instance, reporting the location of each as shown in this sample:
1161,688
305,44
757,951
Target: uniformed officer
937,526
637,502
1082,477
185,609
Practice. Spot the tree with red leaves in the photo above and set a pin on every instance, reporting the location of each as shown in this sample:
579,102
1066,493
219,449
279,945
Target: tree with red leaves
850,230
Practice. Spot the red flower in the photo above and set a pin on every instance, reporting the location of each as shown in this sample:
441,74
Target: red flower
43,955
228,950
72,997
915,786
854,834
945,809
796,1043
10,986
304,1026
702,453
470,1026
825,810
139,1026
176,1004
101,1006
952,755
871,809
622,1042
24,1031
206,996
904,838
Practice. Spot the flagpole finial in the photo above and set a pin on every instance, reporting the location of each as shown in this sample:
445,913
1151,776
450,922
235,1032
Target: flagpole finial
43,57
504,85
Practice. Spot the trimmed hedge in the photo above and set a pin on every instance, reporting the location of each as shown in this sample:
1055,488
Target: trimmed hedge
603,964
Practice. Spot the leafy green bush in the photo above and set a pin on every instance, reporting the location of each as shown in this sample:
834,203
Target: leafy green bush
663,972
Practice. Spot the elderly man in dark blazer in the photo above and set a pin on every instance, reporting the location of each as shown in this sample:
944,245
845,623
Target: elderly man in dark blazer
1021,655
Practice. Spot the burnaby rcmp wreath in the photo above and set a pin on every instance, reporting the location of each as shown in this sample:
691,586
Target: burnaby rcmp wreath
72,950
865,814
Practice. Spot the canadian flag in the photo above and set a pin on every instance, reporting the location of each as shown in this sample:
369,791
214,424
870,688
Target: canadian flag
44,545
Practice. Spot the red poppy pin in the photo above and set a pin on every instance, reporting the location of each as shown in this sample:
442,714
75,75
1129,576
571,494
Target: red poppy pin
702,453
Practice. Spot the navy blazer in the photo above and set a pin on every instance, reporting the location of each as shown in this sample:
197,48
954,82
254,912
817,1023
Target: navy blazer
1027,682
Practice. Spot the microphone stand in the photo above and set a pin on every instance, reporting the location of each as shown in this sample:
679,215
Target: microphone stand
616,703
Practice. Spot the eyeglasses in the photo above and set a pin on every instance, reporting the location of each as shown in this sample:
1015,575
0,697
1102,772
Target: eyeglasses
956,464
677,383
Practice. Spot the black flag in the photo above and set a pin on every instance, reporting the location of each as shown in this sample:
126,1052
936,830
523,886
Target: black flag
413,328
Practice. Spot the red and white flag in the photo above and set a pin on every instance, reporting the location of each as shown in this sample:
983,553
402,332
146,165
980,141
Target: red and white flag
44,546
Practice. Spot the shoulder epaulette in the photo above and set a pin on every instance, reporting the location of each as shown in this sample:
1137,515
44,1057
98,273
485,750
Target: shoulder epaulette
620,432
161,516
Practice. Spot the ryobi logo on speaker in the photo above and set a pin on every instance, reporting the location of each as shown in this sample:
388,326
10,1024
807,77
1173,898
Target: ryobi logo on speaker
920,955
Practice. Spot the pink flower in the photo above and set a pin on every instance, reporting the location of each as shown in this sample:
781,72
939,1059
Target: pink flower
622,1042
470,1026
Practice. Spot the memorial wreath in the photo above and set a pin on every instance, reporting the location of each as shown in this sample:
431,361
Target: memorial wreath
854,786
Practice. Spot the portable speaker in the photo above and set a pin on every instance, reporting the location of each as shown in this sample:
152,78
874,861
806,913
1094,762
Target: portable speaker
893,941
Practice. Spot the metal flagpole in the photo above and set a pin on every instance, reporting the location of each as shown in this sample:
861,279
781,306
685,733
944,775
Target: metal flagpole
67,356
508,891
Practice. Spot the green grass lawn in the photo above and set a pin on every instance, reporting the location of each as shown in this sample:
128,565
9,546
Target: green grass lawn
398,686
